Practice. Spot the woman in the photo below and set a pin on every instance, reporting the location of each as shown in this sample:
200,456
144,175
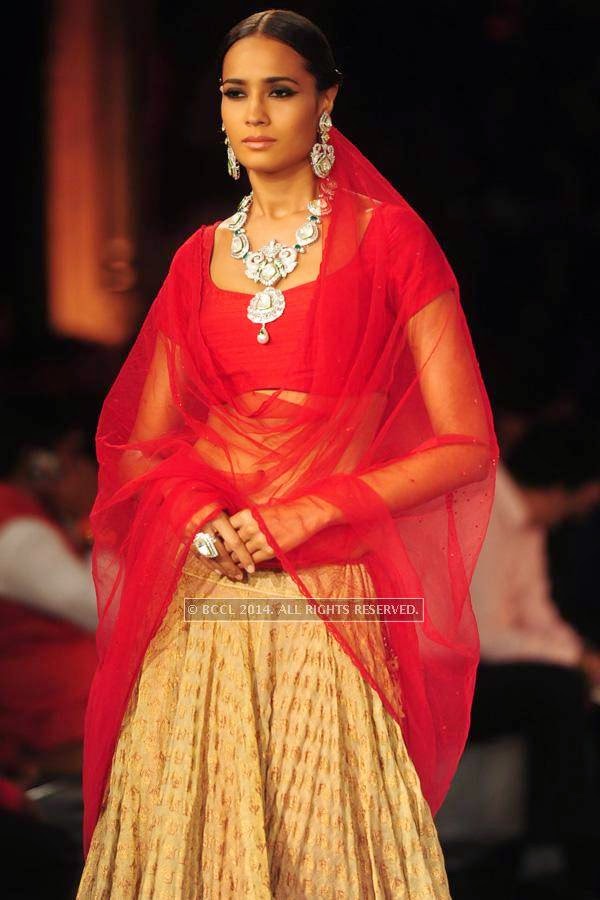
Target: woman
300,427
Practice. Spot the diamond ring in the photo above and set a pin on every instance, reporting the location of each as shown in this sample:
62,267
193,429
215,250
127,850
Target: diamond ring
205,544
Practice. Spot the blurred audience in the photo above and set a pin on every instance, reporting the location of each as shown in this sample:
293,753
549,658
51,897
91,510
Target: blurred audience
539,674
511,587
47,598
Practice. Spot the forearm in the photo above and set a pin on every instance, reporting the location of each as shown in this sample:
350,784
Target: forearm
41,571
134,464
136,468
410,481
519,645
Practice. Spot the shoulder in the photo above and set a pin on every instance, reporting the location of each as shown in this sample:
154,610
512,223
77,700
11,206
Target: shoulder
418,268
392,223
404,226
411,242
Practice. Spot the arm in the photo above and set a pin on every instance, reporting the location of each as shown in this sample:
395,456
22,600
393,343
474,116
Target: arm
554,503
511,592
550,640
460,451
157,414
539,619
519,645
502,589
38,569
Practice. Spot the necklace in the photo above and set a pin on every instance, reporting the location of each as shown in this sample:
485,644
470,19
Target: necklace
275,260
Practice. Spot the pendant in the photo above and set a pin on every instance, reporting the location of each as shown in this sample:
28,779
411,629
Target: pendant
239,245
271,263
308,233
266,306
276,260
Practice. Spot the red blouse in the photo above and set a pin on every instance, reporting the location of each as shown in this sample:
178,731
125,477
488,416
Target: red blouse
285,361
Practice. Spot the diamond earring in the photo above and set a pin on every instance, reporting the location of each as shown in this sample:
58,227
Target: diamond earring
322,155
233,166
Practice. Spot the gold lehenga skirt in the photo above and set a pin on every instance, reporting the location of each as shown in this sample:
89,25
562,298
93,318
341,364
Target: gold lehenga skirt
255,761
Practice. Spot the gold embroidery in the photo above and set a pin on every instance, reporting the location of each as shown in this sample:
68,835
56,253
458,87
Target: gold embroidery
255,761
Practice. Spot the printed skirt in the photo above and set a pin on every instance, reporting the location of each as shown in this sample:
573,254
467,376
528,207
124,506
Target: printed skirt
255,761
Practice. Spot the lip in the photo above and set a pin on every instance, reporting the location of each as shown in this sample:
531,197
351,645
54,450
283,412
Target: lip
258,141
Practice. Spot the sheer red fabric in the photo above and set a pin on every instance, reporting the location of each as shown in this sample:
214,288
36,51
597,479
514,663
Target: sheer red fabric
366,412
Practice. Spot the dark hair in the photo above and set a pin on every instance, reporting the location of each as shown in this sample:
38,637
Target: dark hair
298,32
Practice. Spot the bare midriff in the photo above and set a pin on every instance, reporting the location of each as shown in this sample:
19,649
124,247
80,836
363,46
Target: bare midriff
250,442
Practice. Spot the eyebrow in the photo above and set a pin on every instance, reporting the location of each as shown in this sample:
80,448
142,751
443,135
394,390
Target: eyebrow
268,80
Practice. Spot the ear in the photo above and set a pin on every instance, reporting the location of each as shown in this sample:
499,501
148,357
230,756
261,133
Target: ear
331,94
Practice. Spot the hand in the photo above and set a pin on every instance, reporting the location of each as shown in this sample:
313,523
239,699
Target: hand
584,498
590,663
550,505
547,505
290,523
226,540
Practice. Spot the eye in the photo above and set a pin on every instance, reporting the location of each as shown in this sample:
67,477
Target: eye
281,92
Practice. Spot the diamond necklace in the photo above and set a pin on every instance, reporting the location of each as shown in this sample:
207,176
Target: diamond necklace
275,260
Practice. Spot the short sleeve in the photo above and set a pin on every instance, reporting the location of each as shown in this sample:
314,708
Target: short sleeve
178,295
418,268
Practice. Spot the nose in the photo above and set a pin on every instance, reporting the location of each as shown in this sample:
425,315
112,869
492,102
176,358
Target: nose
253,121
256,114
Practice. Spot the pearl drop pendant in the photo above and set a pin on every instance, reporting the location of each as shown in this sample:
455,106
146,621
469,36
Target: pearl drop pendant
274,260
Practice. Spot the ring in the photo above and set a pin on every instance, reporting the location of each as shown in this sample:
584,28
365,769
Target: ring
205,544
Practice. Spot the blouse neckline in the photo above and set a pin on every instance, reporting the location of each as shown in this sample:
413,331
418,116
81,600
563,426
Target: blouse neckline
207,254
208,250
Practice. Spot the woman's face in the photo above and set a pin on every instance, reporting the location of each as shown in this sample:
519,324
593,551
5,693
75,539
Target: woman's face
287,108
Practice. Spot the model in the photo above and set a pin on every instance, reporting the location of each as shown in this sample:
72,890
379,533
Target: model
296,470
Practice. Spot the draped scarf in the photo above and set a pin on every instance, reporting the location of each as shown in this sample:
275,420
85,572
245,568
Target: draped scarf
377,426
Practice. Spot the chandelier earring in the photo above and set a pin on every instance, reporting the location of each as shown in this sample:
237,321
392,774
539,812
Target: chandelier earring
322,155
233,166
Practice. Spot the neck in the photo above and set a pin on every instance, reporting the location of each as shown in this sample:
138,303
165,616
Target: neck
278,195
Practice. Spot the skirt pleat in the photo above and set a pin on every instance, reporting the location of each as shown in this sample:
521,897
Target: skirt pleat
254,760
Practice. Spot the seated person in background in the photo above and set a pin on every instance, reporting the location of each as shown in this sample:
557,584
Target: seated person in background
537,672
47,597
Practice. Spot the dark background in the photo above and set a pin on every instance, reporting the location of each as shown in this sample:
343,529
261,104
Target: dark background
484,115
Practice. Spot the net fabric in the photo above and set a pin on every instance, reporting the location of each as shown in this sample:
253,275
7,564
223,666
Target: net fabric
374,438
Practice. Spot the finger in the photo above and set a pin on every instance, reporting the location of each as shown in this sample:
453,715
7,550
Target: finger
214,566
258,555
235,544
258,543
262,555
247,531
241,518
223,562
192,525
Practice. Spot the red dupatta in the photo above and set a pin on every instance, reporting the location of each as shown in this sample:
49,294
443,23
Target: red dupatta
378,416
